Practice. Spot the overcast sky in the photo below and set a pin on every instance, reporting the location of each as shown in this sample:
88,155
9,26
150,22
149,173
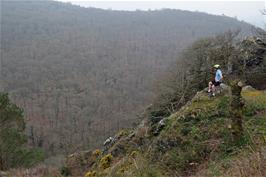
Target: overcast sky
249,11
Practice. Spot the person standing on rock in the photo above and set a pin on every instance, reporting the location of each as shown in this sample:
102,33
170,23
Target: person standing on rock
217,80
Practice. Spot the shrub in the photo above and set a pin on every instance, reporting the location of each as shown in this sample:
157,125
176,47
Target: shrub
105,162
90,174
123,132
97,152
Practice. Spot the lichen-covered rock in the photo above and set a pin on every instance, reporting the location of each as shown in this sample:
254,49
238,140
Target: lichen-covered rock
248,88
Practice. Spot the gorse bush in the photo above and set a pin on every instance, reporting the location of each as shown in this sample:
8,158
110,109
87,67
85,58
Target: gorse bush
105,162
97,152
90,174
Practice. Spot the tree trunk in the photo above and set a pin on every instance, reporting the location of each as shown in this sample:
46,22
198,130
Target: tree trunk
236,110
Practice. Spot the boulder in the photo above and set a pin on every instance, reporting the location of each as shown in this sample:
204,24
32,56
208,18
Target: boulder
3,174
160,126
108,141
224,86
248,88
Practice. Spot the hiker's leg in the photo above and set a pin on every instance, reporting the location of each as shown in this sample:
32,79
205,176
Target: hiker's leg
213,88
210,87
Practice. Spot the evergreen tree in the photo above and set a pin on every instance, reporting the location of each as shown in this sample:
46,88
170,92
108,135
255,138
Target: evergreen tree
13,153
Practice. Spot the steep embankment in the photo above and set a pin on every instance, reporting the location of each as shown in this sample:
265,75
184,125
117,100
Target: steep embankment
195,141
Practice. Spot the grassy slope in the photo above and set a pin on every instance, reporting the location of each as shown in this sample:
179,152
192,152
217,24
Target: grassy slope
196,142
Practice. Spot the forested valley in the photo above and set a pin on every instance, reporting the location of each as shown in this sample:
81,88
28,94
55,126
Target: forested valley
82,74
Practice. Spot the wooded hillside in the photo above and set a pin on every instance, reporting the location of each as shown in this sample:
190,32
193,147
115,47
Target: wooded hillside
82,74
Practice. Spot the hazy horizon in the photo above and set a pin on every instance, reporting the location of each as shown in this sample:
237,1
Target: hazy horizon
248,11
